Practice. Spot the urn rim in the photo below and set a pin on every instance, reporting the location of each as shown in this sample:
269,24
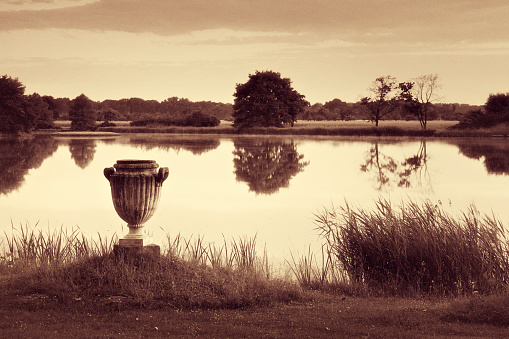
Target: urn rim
136,163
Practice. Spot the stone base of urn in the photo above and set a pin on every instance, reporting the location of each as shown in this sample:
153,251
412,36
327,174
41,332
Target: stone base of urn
134,249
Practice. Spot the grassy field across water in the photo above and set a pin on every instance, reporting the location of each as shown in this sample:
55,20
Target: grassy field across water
328,128
318,128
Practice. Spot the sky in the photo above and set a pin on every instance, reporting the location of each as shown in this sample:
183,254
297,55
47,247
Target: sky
201,49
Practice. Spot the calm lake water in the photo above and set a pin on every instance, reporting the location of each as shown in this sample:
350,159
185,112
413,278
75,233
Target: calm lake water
268,187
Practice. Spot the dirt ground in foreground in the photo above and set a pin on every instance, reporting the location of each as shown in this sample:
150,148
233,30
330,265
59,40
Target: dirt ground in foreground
320,316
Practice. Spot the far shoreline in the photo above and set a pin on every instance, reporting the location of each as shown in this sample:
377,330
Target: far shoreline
354,128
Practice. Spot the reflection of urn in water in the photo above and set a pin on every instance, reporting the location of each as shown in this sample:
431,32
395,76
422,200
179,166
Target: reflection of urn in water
135,190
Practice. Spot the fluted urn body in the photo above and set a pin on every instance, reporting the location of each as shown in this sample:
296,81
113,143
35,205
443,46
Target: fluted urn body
135,190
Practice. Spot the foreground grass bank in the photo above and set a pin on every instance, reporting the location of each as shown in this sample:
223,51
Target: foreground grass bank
189,274
401,268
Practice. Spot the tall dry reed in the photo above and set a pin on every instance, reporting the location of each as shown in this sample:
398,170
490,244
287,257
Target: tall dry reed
33,247
417,248
321,272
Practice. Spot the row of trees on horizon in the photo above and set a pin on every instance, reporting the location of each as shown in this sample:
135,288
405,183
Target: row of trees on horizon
24,113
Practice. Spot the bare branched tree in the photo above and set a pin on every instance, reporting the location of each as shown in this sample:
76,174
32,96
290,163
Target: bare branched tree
424,92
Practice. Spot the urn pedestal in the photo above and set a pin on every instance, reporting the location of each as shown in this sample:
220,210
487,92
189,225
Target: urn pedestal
135,190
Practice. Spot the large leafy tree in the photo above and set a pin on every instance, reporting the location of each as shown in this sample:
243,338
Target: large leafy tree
14,117
381,98
266,100
36,106
82,113
498,106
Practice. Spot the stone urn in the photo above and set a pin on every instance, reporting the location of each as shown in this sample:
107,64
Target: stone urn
135,190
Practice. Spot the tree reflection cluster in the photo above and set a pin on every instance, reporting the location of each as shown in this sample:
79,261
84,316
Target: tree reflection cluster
17,157
494,151
265,165
82,151
386,168
196,146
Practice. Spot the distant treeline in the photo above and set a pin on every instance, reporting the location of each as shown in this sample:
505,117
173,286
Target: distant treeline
139,109
340,110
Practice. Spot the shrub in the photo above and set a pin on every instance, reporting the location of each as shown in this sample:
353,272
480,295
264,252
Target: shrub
195,119
107,124
479,119
496,112
199,119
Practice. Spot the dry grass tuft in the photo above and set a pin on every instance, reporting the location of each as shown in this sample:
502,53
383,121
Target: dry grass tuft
190,273
417,249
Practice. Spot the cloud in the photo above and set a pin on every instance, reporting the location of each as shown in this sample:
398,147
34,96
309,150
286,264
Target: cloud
368,19
23,5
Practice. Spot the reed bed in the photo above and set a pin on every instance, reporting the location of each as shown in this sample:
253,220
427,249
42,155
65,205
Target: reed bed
190,273
321,272
417,248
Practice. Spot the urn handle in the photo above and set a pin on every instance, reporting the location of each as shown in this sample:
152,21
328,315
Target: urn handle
108,172
162,175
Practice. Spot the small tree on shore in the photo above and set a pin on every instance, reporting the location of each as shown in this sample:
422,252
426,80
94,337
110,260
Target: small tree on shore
381,99
418,96
266,100
82,114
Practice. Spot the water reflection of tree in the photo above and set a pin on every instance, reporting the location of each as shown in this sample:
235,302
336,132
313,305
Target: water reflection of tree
17,157
196,146
387,169
266,166
495,153
82,151
379,163
416,164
